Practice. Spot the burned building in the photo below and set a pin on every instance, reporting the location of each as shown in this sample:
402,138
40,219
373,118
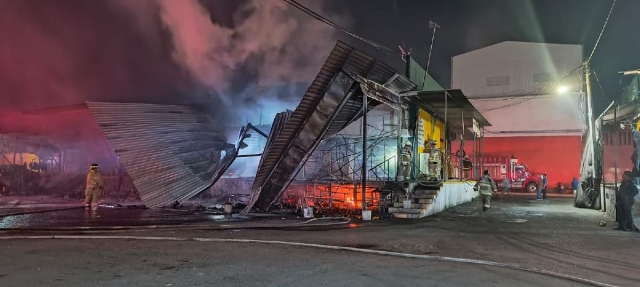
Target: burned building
315,137
162,153
345,143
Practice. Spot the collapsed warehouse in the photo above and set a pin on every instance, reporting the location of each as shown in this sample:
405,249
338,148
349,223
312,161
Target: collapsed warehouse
323,153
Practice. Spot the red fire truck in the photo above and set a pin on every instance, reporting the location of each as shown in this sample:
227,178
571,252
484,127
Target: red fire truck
518,173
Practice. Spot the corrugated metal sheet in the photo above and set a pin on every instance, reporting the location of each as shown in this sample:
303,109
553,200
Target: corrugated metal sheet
279,123
171,152
332,101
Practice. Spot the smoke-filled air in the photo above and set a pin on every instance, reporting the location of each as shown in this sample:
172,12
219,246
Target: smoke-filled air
248,55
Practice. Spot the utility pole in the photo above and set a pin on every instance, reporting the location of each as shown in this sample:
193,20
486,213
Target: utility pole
433,26
591,138
364,151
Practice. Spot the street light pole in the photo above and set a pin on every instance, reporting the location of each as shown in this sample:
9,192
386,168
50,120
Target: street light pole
591,138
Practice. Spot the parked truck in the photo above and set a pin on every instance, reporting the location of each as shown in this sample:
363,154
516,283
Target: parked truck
518,173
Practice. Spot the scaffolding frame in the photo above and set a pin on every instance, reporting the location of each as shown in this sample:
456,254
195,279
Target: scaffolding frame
337,163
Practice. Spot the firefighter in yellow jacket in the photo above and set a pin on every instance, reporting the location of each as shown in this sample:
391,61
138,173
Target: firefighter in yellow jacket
486,186
93,193
405,160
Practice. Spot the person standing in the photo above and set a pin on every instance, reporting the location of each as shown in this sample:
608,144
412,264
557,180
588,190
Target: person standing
466,167
506,185
539,188
486,186
575,184
93,192
406,157
626,199
545,185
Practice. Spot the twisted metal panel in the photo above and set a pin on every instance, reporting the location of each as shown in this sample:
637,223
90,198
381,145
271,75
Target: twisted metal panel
171,152
332,101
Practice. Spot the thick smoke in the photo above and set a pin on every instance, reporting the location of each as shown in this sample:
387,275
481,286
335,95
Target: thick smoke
250,59
239,53
269,49
55,53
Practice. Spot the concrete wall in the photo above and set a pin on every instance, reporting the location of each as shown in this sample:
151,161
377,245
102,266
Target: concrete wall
546,115
452,194
610,201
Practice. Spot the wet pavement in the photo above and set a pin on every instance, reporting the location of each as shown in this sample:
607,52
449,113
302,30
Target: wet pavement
110,217
550,235
144,263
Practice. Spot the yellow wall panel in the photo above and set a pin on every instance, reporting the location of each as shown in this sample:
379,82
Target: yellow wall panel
426,118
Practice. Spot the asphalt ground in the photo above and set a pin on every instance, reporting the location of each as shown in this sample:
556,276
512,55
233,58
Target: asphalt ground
550,235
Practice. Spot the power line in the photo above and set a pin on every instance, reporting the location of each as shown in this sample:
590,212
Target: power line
509,94
538,91
601,32
326,21
562,78
600,85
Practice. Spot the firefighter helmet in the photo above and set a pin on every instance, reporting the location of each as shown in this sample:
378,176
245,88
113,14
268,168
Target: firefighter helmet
408,143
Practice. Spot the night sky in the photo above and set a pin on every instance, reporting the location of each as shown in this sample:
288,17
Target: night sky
56,52
467,25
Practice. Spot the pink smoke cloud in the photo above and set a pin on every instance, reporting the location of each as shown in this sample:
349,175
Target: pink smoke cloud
55,53
272,41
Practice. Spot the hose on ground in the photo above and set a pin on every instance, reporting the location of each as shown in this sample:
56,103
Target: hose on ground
312,223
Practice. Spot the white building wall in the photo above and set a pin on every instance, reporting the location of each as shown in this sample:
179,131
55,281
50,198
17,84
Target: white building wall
519,61
529,72
545,115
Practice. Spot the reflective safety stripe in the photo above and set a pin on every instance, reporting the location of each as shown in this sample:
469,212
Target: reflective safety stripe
484,187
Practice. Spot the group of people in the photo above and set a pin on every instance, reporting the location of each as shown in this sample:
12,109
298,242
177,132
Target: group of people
542,187
625,198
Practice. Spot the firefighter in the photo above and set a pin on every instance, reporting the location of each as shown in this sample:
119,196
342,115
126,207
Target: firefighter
486,186
405,163
93,193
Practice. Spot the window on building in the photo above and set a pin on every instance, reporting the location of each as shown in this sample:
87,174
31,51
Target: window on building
542,78
498,81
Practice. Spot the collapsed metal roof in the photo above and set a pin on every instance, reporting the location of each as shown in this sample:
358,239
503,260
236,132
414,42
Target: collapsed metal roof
171,152
333,100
